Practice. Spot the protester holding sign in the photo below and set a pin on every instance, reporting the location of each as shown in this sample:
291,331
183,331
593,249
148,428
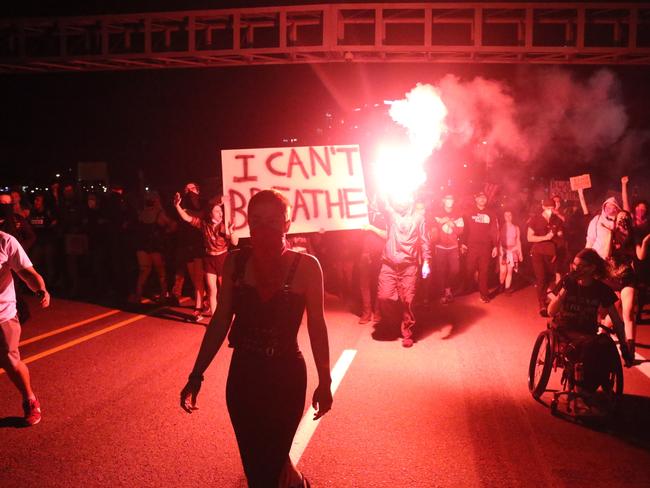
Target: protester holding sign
215,242
266,290
406,243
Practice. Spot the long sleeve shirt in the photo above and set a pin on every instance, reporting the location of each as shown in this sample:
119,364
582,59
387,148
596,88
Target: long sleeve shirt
481,229
406,239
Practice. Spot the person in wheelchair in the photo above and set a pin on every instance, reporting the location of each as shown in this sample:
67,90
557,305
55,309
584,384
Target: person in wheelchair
575,312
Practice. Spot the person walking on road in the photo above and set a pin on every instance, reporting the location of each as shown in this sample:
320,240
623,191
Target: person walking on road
13,258
266,289
406,244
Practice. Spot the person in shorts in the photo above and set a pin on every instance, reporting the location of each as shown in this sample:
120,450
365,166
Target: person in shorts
13,258
216,238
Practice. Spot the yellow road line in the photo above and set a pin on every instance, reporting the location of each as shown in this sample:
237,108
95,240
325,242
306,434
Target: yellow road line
85,338
79,340
68,327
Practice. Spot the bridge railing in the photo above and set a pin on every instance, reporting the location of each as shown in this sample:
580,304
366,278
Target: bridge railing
487,32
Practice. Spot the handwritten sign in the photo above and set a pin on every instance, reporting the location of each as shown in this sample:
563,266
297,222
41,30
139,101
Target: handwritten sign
562,188
324,185
581,182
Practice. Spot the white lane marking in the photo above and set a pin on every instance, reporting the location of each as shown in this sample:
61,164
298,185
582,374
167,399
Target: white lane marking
644,366
307,425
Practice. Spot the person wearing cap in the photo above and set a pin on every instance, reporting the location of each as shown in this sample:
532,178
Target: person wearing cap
449,225
480,240
543,228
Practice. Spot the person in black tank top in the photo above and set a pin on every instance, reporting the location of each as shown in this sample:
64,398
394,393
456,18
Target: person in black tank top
266,290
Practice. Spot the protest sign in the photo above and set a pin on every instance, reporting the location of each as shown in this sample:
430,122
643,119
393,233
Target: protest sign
581,182
324,185
562,188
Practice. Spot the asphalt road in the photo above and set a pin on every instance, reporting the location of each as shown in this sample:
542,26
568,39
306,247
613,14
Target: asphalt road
453,411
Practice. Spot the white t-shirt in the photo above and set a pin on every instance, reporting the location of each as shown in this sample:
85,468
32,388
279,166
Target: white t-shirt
12,258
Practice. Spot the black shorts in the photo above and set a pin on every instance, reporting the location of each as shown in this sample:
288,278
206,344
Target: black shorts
214,264
626,277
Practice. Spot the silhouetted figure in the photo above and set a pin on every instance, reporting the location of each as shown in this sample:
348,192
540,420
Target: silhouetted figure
267,289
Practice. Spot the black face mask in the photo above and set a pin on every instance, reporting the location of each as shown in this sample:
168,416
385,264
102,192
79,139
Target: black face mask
6,210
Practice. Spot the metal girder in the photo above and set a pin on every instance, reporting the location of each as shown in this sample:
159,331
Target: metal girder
478,32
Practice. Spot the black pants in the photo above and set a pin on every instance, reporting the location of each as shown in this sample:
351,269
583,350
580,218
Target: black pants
266,399
478,258
544,271
598,355
369,267
446,268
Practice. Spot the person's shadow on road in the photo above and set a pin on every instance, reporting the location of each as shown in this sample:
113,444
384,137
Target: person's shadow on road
632,421
448,320
12,422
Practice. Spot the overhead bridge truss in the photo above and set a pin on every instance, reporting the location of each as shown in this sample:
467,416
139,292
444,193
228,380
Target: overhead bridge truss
489,32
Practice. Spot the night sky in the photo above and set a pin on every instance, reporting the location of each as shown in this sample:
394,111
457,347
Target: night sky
173,123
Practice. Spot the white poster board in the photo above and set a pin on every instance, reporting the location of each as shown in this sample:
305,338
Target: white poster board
581,182
324,185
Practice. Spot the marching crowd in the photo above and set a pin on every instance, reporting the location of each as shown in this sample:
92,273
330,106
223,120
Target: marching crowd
92,247
104,245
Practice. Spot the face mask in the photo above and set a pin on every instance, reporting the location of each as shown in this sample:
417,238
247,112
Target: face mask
268,238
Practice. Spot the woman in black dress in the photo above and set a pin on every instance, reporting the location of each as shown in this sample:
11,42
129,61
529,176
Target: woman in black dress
266,290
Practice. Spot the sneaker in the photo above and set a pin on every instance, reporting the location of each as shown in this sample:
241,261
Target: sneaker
407,342
32,411
364,319
485,298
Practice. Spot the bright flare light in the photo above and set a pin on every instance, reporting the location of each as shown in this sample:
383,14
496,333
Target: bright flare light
423,114
399,172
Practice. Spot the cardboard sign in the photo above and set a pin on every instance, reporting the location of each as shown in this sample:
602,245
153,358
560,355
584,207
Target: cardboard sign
580,182
324,185
563,189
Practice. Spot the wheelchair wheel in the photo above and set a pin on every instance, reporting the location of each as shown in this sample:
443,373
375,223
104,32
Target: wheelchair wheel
541,363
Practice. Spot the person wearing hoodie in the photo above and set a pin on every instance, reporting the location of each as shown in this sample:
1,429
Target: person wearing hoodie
599,232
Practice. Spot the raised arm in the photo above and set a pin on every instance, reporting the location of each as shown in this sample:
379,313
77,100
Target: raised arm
215,334
322,398
626,202
181,211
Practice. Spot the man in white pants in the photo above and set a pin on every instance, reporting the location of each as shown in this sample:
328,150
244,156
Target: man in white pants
13,258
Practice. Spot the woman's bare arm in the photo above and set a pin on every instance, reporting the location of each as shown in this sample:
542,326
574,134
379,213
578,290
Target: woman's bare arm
318,333
181,211
219,325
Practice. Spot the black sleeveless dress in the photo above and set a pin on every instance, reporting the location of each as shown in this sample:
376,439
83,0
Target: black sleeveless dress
267,380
